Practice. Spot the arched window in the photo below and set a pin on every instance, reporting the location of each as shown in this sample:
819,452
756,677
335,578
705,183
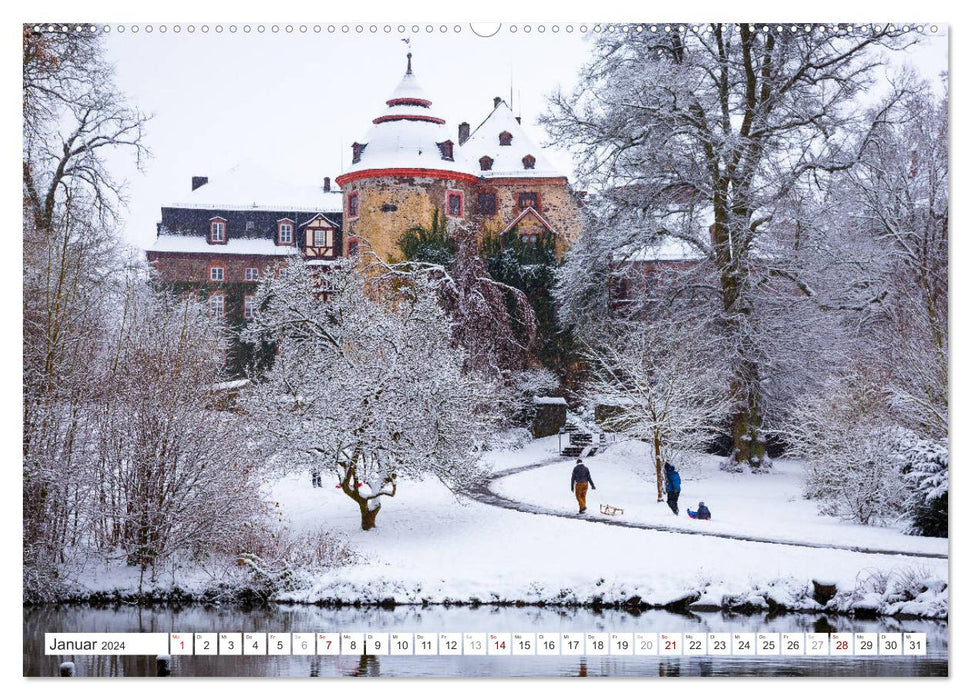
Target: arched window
485,163
505,139
529,162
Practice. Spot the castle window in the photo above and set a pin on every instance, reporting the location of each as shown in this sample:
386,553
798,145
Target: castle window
528,199
352,204
487,203
446,148
485,163
454,202
285,232
252,274
505,139
357,149
217,274
217,230
529,162
249,306
217,304
352,248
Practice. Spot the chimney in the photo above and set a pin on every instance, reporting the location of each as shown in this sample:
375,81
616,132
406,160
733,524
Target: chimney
326,184
496,101
463,132
198,181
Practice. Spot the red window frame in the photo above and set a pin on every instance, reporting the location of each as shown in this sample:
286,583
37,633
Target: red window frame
353,205
448,203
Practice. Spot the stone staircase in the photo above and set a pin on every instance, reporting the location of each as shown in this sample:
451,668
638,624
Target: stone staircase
581,443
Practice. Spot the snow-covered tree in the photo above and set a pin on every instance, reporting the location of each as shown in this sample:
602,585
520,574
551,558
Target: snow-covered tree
924,465
661,383
714,141
367,384
847,435
175,475
492,322
898,197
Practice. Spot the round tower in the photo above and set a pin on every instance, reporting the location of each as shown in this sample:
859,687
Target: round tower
406,168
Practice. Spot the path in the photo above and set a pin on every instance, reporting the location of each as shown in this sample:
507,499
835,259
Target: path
485,494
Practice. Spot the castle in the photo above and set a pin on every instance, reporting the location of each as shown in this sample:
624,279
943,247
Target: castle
490,180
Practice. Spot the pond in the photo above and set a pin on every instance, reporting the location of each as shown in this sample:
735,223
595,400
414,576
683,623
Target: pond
294,618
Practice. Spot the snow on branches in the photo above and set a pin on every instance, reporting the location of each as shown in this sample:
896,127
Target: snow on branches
367,384
661,383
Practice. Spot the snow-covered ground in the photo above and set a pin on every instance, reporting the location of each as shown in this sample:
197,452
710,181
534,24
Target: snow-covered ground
430,545
769,505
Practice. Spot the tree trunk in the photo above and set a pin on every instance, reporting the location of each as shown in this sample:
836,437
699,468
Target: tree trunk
368,516
657,464
747,436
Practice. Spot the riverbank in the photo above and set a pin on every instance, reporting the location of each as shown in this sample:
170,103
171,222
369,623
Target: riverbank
432,547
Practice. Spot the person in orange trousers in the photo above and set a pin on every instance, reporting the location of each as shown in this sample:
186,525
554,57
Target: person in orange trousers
579,481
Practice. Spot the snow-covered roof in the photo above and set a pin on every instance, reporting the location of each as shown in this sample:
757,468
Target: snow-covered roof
549,400
666,249
235,384
166,243
407,134
247,187
507,160
316,216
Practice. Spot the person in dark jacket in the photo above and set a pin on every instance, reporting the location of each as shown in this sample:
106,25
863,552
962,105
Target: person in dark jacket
701,514
579,481
673,481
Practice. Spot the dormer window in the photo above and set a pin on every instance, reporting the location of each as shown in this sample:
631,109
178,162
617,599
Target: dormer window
485,163
357,150
529,162
505,139
446,148
284,232
217,230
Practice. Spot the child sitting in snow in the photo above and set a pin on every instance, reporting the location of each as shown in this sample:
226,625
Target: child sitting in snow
701,514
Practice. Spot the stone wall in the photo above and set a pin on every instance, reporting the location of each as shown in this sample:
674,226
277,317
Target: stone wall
390,205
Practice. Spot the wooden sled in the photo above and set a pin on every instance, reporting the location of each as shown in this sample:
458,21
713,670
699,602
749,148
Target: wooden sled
610,510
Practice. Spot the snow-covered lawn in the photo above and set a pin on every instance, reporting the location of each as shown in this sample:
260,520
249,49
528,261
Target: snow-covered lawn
753,505
431,546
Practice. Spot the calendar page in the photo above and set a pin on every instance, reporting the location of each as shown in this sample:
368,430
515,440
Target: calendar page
320,317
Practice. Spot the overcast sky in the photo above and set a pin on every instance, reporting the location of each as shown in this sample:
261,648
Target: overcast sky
292,103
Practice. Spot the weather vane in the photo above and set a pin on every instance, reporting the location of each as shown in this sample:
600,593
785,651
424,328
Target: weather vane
408,44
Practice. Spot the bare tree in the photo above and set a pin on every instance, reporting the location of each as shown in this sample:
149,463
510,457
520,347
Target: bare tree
177,476
367,384
711,140
898,198
661,384
74,115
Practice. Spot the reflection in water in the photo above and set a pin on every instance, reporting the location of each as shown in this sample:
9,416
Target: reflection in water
295,618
